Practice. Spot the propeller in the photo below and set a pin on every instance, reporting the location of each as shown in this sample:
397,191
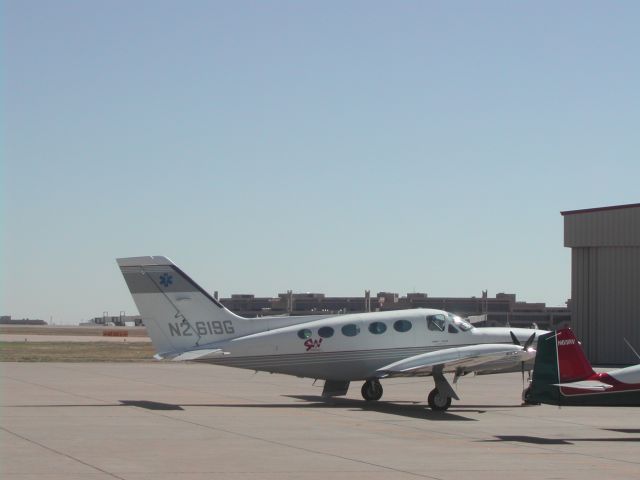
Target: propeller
525,347
527,344
529,341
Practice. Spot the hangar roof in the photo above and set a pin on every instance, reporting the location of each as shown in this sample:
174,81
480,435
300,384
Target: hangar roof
614,226
600,209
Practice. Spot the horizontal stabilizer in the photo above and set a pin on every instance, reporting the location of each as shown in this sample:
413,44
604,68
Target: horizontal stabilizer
591,385
199,355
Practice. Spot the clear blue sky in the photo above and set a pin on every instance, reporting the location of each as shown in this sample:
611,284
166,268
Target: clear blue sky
314,146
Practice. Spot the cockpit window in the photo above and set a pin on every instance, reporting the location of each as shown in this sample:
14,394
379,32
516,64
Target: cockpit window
452,329
460,323
436,322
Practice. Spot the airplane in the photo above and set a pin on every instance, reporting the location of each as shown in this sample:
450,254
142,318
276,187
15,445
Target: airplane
562,375
185,323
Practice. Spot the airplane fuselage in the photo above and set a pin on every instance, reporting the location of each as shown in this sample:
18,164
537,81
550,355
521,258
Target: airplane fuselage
352,346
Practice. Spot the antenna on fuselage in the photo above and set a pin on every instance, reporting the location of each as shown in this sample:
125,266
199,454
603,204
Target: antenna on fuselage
631,347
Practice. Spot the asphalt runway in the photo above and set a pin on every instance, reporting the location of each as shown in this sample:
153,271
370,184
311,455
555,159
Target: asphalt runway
166,421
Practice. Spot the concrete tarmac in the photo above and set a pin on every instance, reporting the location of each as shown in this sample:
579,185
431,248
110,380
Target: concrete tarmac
167,421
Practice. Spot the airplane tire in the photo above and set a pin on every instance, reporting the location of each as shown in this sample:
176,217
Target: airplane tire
437,402
526,397
371,390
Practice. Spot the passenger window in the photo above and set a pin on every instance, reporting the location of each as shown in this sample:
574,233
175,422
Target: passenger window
325,332
304,333
452,329
436,323
402,325
350,330
377,328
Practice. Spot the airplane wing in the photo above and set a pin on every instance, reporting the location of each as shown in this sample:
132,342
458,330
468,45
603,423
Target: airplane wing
472,358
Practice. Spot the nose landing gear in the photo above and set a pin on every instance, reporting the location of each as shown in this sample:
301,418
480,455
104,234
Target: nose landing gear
371,390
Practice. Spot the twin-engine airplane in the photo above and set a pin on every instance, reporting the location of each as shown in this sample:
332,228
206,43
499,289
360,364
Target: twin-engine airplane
186,323
562,375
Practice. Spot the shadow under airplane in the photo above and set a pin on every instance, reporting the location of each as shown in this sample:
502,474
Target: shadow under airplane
556,441
404,409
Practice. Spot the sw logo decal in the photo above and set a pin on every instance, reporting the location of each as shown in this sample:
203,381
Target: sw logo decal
313,344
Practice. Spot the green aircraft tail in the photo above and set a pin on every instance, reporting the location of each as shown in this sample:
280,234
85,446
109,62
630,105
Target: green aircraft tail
546,375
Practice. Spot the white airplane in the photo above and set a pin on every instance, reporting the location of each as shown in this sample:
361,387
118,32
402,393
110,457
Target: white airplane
185,323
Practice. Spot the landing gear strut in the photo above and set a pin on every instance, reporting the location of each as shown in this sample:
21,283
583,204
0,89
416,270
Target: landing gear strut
440,397
439,402
371,390
526,397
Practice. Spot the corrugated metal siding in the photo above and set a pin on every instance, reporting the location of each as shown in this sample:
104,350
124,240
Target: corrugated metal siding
608,228
606,302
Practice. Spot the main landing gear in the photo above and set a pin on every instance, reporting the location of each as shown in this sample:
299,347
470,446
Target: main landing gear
439,402
439,398
371,390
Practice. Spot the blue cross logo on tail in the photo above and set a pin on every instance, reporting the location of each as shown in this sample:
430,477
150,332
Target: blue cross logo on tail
166,280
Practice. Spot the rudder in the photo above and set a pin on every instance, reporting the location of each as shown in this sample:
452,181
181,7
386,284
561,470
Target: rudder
572,362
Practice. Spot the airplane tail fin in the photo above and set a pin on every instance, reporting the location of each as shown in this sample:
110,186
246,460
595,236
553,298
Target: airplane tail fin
178,313
572,362
559,359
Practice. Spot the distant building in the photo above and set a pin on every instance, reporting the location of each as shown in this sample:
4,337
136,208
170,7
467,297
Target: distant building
502,310
6,320
605,280
119,321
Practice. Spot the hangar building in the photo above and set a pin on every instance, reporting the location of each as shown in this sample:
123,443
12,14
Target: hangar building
605,280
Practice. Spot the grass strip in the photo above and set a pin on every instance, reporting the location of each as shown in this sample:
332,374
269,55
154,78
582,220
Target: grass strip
75,352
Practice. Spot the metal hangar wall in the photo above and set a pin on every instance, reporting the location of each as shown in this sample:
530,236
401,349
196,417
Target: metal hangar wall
605,280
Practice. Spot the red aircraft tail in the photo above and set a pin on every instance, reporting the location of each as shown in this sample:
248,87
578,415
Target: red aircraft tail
572,362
